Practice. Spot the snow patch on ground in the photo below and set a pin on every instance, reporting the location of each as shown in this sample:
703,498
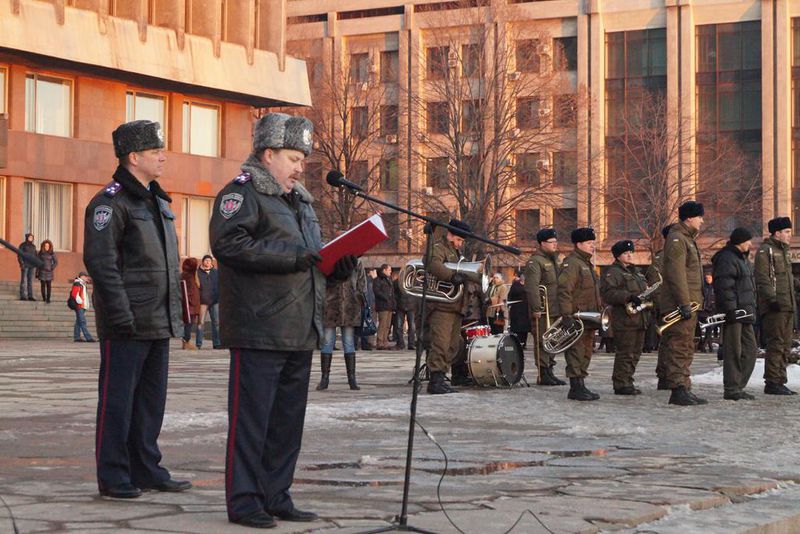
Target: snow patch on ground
714,377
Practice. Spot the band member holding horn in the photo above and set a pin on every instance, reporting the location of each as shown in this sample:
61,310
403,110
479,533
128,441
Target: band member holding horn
683,287
624,288
443,335
577,291
541,271
735,291
654,275
776,303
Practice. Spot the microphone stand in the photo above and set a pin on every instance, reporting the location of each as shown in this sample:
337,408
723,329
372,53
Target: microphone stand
400,522
23,255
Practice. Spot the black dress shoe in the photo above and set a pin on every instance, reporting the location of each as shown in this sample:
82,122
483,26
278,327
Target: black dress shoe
124,491
294,515
257,520
172,486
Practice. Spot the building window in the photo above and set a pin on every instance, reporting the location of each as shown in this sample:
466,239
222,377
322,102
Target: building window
565,220
390,62
48,105
436,173
359,126
565,168
437,115
312,177
527,55
471,117
527,169
565,54
145,106
392,223
359,172
47,212
359,68
471,172
470,61
3,76
528,223
201,129
436,64
196,214
796,119
389,175
388,120
528,113
565,111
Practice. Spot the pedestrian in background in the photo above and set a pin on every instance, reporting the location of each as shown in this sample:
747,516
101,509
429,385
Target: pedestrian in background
518,315
45,273
498,295
209,300
191,301
80,295
364,341
405,307
384,304
26,269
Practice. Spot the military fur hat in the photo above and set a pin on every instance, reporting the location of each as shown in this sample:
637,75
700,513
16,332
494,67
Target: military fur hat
279,130
465,229
779,223
690,209
579,235
136,136
544,234
621,247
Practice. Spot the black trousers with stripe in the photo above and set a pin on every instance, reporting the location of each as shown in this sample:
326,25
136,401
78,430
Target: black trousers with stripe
267,394
132,392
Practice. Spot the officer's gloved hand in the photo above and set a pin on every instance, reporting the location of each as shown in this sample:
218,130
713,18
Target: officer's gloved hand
124,329
344,267
567,321
306,259
774,306
686,311
635,300
457,279
730,317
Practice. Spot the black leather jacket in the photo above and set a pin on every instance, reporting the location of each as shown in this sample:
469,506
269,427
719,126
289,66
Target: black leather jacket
131,252
256,233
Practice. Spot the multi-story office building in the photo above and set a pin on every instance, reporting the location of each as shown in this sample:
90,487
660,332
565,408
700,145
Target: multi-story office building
708,88
72,70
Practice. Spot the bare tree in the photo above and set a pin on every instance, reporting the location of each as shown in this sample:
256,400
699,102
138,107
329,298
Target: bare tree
644,157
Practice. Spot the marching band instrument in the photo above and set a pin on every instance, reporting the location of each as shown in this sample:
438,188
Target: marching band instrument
719,318
644,296
413,277
673,317
557,339
543,298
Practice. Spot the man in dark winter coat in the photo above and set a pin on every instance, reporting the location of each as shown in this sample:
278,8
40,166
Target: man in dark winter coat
131,253
734,289
266,238
405,311
26,269
209,300
384,304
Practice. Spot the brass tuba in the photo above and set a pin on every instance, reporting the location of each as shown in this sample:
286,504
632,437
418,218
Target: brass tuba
673,317
412,279
558,339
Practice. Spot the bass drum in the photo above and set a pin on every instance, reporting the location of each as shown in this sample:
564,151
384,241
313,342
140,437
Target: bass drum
495,360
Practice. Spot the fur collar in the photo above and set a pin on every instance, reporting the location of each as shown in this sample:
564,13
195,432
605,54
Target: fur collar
129,182
266,184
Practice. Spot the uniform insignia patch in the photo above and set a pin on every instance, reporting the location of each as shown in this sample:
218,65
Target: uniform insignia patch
102,216
230,204
242,178
112,189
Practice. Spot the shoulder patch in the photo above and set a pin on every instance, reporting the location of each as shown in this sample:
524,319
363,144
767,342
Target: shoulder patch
112,189
101,217
242,178
230,204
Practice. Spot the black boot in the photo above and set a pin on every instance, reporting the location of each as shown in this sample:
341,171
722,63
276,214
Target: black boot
594,395
546,377
325,360
773,388
680,396
663,385
437,384
553,378
350,363
578,392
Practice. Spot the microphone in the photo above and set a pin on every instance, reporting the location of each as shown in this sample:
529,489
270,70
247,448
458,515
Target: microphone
337,179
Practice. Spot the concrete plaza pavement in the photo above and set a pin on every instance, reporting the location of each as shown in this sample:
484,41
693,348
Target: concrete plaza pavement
522,457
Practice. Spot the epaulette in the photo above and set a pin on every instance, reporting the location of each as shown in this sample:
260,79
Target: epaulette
242,178
112,189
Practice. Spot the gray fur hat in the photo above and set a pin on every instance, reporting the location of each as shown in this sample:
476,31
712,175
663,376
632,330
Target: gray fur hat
136,136
279,130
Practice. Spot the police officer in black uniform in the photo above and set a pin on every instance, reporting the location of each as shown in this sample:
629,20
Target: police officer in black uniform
131,253
266,237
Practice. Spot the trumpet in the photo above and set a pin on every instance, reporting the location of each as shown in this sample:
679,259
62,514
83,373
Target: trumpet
557,339
546,305
413,276
673,317
632,309
719,318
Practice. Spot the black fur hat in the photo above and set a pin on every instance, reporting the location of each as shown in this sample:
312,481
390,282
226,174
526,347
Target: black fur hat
779,223
544,234
466,229
620,247
579,235
690,209
136,136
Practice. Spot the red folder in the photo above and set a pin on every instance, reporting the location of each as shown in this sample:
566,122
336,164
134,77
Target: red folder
354,242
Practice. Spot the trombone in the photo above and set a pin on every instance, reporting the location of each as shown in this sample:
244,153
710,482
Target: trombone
673,317
719,318
546,305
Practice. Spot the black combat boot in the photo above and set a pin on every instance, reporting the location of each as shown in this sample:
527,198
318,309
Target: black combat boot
773,388
437,384
681,397
544,377
578,392
696,399
627,390
553,378
325,361
350,363
663,385
594,395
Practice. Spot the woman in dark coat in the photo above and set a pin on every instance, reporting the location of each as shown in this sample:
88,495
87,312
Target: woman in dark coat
343,303
191,300
45,273
518,314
